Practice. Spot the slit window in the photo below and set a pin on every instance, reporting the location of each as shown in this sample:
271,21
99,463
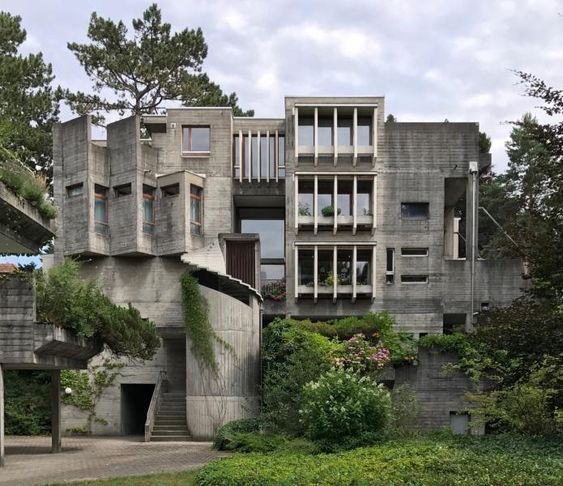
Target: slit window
148,209
101,210
414,252
122,190
75,190
415,210
414,279
390,266
195,210
195,140
170,190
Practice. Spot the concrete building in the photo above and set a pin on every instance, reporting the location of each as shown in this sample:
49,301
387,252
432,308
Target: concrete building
327,212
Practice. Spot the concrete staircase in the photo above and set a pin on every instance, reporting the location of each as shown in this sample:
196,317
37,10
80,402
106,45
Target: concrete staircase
170,423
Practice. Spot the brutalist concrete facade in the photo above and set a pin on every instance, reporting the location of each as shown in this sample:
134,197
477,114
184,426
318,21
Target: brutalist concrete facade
377,216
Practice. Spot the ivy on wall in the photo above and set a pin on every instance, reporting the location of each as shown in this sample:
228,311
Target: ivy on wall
88,387
196,320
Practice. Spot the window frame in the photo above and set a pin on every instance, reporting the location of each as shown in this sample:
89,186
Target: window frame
101,196
70,187
196,197
149,196
195,153
414,282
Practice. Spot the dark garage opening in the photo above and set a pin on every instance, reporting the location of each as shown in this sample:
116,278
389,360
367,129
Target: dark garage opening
135,401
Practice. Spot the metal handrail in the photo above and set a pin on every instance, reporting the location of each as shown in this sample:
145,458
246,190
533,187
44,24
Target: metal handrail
153,407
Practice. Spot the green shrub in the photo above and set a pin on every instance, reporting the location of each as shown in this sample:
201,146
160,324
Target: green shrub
453,343
64,300
292,356
343,405
242,426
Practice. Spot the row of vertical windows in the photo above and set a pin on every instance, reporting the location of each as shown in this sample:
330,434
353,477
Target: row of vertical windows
265,160
325,131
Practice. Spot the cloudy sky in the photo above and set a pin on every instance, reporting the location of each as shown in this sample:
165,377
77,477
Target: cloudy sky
432,60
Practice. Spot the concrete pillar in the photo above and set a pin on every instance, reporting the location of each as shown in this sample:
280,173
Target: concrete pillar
334,273
374,205
316,136
335,134
315,273
355,137
2,448
56,411
316,204
354,272
335,205
355,205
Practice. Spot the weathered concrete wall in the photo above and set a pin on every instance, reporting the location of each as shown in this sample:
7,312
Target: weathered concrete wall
438,393
212,400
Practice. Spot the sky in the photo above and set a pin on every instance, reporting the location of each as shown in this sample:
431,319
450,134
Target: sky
432,60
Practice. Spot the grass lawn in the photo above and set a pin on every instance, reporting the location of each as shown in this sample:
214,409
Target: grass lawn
185,478
434,459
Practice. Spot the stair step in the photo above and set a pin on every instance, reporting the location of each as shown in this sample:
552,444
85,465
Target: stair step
180,432
171,420
167,438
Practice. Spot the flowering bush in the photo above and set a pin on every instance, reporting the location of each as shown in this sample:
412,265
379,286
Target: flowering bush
343,405
360,355
274,290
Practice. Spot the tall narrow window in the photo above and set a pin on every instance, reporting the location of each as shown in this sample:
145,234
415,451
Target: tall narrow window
324,131
364,131
236,156
306,196
325,271
363,199
195,210
281,155
264,168
325,206
390,266
306,131
148,209
363,267
344,130
101,210
306,267
195,140
344,266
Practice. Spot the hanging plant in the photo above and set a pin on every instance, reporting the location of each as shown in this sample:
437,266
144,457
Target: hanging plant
196,320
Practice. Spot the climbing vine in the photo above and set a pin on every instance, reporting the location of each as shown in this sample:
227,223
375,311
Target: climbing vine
88,387
198,328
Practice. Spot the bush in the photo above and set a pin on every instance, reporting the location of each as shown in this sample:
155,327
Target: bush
343,405
292,356
225,432
359,355
64,300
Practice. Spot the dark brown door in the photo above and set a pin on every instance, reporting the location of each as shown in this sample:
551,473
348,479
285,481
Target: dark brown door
241,261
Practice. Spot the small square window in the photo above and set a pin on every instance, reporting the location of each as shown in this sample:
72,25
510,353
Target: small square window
75,190
170,190
122,190
415,210
195,140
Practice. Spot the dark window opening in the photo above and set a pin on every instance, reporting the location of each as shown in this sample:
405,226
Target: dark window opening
414,252
195,210
122,190
148,209
390,266
363,267
306,267
101,210
414,279
75,190
452,323
170,190
415,210
135,401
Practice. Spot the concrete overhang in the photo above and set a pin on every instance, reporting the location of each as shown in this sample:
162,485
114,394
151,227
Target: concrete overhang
22,228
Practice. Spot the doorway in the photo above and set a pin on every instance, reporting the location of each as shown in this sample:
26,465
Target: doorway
135,401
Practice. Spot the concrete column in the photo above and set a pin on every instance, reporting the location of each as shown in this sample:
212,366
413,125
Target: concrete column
296,268
335,205
315,272
240,154
296,134
354,205
373,271
249,158
355,137
296,201
335,274
315,205
316,135
258,157
2,447
374,134
268,161
335,135
374,205
354,272
56,411
277,157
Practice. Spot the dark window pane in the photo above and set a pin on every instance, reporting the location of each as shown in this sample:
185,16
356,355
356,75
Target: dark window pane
344,267
363,265
305,204
414,278
325,272
100,210
414,210
306,272
122,190
345,197
390,260
75,190
171,190
324,197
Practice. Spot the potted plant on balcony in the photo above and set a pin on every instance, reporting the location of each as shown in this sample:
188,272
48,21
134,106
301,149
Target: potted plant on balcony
328,211
304,210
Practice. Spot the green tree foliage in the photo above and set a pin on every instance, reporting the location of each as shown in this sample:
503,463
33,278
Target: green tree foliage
484,143
28,102
28,409
137,73
65,300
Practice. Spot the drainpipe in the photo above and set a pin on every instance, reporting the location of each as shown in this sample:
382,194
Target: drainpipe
473,172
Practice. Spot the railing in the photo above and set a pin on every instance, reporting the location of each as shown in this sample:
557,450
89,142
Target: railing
153,407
